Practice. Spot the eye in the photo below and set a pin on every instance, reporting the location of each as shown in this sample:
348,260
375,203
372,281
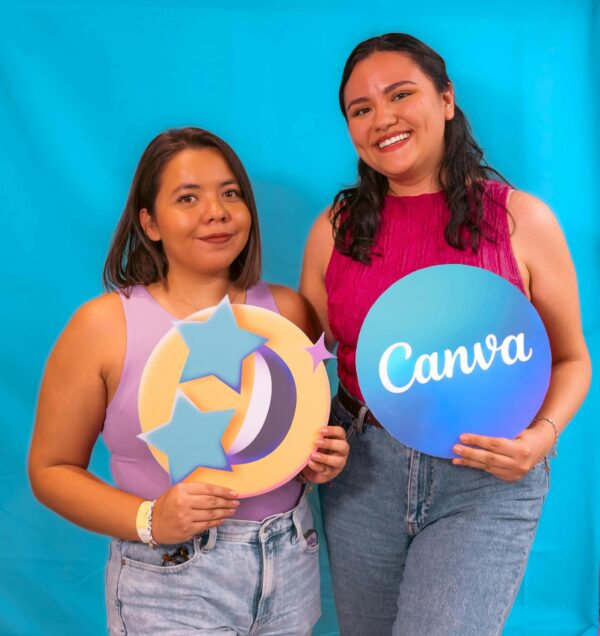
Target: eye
360,111
398,96
232,194
187,198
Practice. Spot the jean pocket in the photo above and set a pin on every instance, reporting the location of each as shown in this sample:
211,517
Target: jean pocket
165,559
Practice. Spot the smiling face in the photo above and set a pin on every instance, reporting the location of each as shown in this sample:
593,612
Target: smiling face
200,215
396,119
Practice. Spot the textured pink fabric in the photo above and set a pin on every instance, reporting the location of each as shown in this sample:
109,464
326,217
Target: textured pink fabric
133,466
410,237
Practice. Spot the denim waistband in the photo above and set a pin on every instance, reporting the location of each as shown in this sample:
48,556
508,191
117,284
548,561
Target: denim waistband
298,519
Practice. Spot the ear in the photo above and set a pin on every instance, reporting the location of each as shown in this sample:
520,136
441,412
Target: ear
448,101
149,225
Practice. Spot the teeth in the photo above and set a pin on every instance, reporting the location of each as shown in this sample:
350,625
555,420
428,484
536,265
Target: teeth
393,140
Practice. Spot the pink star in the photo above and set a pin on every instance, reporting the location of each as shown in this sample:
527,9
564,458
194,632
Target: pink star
319,352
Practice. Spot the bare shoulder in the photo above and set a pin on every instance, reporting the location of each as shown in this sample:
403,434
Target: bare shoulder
96,334
319,247
535,229
530,212
99,316
322,229
292,306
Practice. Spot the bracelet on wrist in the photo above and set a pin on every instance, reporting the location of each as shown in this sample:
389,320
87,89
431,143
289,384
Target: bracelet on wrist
143,523
554,450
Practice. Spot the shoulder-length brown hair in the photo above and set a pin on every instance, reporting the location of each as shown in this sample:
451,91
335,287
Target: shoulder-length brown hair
133,259
462,172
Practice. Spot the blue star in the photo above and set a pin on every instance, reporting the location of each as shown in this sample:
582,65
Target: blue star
217,346
191,438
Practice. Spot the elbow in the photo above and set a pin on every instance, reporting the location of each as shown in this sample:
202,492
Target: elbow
588,371
36,481
580,367
585,370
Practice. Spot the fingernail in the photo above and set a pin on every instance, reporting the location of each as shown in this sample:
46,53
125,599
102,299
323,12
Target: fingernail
464,438
457,448
316,455
320,440
324,430
233,493
235,503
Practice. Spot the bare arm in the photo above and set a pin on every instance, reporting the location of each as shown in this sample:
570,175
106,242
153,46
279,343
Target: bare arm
312,281
81,376
295,308
540,245
70,414
549,275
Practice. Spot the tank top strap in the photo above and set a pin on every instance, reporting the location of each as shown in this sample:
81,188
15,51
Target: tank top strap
146,322
260,295
140,307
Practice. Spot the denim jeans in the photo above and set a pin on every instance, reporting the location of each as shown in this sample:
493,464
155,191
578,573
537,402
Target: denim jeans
421,547
244,577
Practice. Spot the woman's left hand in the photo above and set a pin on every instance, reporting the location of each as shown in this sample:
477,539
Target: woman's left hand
330,457
507,459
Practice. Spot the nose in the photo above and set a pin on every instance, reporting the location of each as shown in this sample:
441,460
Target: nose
214,210
385,117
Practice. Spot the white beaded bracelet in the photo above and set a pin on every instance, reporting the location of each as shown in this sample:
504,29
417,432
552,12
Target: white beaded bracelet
144,523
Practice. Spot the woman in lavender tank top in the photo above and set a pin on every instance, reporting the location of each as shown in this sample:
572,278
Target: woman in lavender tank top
423,546
188,236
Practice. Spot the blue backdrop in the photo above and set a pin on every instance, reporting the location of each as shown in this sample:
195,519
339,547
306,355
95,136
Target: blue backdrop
85,85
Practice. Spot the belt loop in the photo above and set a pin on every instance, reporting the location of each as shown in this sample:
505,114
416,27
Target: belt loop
207,544
297,527
358,425
360,420
302,518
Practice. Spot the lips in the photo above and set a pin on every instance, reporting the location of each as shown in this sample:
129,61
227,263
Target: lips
392,141
216,239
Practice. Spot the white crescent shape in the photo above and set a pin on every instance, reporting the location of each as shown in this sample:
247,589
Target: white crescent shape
258,407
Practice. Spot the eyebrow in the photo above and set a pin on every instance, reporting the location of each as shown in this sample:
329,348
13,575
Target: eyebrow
386,90
195,186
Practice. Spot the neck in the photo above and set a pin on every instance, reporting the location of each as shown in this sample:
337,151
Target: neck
199,291
412,187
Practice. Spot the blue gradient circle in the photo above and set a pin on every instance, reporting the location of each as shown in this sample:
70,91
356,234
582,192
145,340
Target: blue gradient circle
435,311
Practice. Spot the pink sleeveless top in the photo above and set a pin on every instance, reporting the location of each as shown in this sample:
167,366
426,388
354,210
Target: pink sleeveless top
133,466
410,237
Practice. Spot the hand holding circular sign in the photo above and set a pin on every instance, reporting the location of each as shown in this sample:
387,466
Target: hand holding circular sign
452,349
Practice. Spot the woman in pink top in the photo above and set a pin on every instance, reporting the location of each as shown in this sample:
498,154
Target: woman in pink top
187,238
419,545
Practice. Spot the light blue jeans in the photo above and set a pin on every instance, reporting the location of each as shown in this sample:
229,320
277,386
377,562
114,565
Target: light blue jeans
244,577
420,547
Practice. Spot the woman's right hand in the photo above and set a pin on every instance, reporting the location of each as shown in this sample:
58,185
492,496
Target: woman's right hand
189,508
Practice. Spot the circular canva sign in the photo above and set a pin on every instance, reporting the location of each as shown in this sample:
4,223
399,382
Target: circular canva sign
234,396
452,349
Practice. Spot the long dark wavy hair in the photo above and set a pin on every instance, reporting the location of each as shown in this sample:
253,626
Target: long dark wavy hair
133,259
356,211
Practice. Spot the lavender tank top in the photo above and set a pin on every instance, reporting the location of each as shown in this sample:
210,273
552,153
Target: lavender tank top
133,466
410,237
